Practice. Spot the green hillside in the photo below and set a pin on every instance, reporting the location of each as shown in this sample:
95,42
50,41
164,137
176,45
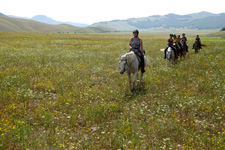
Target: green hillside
8,24
202,20
218,34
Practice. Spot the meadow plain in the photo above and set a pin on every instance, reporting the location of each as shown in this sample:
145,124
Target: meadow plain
64,91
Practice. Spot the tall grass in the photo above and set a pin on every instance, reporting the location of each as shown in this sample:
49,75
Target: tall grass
64,91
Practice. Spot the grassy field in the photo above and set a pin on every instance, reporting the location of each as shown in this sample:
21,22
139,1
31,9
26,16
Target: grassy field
64,91
218,34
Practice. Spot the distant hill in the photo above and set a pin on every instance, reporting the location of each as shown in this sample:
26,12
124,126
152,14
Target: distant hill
44,19
17,17
202,15
1,14
217,34
48,20
9,24
202,20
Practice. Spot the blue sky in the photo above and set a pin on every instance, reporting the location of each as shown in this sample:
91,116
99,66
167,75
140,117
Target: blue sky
91,11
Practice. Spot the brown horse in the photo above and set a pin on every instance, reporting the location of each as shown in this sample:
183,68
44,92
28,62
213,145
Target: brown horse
183,50
196,47
178,49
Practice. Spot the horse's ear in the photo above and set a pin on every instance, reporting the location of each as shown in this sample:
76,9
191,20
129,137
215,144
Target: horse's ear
120,56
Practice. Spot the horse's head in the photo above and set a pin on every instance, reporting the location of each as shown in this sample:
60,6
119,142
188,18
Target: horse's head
122,63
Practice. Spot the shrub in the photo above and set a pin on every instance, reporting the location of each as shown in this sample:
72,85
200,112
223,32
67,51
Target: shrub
223,29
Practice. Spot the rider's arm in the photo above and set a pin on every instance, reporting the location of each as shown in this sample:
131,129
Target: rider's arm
168,42
130,47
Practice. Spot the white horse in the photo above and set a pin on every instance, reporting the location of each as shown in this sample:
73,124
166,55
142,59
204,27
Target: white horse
129,62
170,56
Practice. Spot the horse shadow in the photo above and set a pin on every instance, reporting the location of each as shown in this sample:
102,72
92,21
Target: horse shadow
136,92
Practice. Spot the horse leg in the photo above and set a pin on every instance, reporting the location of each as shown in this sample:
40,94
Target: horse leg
134,78
176,61
128,74
139,83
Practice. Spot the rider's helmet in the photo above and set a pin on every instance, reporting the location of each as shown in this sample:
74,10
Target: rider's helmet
136,31
178,35
183,34
171,34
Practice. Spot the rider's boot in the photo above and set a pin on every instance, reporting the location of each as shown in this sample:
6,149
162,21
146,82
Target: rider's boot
142,69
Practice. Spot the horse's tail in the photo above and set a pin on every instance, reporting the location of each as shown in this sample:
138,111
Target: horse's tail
145,60
203,45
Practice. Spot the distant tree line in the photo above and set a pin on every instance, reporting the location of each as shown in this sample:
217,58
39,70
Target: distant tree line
223,29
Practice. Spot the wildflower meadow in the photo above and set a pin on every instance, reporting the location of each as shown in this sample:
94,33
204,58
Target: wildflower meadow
64,91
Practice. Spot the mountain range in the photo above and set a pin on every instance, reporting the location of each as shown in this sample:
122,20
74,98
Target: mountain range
48,20
201,20
40,23
11,24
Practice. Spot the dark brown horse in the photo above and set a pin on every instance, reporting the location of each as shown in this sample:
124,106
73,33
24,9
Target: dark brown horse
178,49
196,47
183,50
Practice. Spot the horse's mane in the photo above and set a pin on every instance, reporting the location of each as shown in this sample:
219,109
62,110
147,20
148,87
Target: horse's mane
130,57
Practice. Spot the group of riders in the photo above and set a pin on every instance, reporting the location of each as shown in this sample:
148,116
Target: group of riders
176,42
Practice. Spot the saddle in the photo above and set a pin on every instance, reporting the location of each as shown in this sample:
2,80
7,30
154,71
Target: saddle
138,54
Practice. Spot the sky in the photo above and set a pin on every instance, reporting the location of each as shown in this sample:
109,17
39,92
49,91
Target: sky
92,11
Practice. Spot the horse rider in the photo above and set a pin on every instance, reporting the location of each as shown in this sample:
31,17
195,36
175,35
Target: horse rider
178,41
198,41
170,44
184,38
175,38
136,45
